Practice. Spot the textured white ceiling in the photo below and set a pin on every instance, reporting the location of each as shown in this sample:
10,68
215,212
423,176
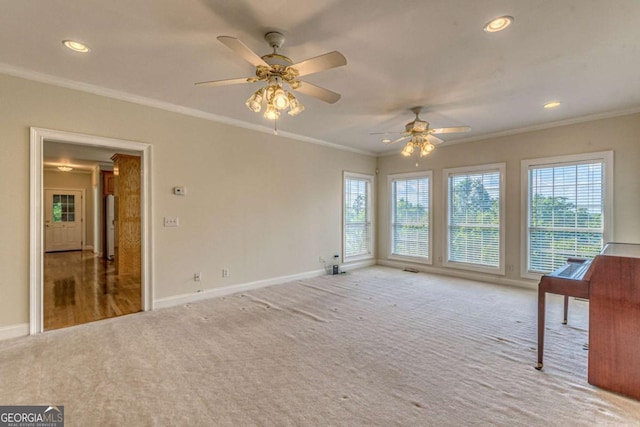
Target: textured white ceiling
400,54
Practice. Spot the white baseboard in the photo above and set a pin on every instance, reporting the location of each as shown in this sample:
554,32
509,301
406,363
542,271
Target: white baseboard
233,289
14,331
500,280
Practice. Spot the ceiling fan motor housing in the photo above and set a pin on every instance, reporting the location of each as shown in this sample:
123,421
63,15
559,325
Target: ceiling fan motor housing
417,126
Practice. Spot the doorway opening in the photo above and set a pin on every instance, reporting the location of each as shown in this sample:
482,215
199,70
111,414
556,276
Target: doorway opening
71,284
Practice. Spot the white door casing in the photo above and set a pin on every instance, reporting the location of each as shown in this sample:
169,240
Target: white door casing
63,220
38,136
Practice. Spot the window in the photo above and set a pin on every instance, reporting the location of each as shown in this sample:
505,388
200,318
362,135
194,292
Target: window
566,209
64,208
411,216
358,232
475,218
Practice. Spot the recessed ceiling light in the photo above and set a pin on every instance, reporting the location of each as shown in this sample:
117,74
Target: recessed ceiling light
498,24
552,104
76,46
386,140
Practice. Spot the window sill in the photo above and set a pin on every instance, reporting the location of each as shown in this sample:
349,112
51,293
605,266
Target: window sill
412,259
474,267
356,258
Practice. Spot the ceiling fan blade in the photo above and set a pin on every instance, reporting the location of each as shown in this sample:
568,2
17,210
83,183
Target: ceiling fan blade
241,49
318,92
451,130
434,140
213,83
398,140
320,63
384,133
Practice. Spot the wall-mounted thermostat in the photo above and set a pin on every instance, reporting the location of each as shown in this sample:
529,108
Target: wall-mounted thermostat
179,191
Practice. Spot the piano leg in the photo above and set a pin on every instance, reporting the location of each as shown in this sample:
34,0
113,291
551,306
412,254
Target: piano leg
541,313
566,309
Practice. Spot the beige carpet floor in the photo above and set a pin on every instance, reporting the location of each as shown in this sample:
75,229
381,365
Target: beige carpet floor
377,347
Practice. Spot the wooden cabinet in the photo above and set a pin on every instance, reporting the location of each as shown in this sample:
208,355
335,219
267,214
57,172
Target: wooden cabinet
108,183
128,232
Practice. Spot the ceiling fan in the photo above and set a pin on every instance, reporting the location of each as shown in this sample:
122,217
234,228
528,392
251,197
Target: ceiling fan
277,70
420,135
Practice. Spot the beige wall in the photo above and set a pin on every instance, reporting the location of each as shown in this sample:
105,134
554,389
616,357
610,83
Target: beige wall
620,134
75,180
260,205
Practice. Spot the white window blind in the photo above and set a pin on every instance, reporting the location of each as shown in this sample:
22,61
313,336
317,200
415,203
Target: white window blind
410,213
474,217
357,216
565,213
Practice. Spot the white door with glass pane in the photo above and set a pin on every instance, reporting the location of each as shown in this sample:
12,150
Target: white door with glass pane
63,220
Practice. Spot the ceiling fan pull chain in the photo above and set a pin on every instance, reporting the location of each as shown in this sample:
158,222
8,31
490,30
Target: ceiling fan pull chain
275,126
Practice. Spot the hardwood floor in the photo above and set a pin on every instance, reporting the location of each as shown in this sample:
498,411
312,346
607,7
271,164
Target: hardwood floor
80,287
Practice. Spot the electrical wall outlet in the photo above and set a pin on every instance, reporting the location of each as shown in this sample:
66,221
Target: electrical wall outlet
170,221
225,272
197,276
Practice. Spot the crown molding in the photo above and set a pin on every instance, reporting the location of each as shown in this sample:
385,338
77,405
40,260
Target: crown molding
549,125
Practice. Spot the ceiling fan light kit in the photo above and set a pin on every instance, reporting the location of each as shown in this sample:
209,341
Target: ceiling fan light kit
419,142
275,99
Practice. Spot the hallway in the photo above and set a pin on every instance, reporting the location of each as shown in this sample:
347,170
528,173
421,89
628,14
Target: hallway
80,287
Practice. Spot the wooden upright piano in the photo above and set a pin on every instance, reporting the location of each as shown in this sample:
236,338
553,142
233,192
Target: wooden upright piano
611,282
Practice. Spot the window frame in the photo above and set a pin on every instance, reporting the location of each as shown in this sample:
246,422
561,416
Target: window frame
406,177
605,157
447,173
371,215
